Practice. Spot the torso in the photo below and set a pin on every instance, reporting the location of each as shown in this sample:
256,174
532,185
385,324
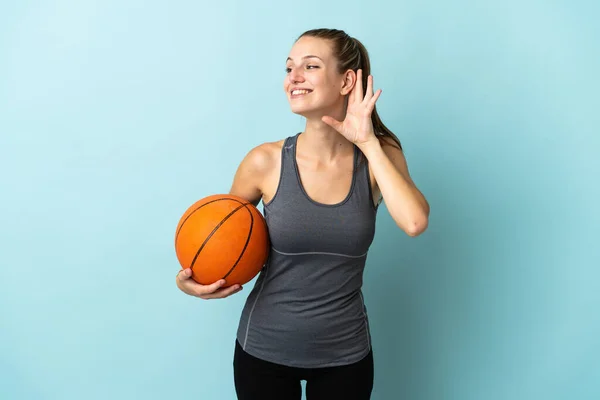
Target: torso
306,308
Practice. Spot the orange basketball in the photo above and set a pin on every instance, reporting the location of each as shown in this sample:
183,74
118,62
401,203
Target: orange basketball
222,237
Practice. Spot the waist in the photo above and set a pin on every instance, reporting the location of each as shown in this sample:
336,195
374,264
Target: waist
305,333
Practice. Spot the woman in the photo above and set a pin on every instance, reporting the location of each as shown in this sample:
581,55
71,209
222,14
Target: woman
305,318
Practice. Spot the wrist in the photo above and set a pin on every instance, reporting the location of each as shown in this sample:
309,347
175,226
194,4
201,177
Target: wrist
370,146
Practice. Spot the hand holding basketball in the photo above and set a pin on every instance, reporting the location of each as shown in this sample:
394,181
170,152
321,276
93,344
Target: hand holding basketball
206,292
220,237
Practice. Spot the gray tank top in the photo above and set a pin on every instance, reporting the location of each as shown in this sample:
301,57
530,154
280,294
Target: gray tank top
306,308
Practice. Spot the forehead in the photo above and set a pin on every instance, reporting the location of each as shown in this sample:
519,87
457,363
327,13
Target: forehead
310,46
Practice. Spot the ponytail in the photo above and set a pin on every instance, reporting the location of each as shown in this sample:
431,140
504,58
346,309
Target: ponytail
381,131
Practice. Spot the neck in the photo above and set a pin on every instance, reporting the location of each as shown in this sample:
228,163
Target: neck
323,142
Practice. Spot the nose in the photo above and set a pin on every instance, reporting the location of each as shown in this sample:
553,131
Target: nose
295,76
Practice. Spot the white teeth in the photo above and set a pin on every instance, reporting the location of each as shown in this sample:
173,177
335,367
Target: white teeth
299,92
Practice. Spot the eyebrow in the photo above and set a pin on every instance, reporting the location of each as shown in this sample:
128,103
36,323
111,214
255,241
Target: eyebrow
309,56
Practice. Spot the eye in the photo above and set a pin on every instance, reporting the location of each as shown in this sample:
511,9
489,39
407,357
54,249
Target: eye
288,69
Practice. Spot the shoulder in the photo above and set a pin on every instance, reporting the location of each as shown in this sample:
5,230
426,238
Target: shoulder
255,169
263,157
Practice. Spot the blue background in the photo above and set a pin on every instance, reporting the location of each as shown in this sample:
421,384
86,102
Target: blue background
115,116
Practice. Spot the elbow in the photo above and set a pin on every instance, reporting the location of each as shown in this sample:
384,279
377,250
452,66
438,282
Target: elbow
417,226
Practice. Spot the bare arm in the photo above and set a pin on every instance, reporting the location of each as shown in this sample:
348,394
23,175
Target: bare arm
250,175
406,204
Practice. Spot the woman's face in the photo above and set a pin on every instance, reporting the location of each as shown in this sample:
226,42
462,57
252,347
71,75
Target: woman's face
313,85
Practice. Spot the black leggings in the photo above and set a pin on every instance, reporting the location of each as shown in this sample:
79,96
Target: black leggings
257,379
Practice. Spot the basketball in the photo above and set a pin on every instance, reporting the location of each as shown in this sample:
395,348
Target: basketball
222,237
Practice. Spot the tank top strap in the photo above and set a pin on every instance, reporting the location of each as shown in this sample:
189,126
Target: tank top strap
287,154
287,186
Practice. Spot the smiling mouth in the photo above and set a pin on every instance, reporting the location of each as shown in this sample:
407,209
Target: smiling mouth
300,92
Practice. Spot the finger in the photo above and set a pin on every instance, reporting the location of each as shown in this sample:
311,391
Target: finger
222,293
209,289
334,123
371,104
184,274
369,93
358,96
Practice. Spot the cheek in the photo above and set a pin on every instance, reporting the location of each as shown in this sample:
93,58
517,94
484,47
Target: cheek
331,86
334,89
331,91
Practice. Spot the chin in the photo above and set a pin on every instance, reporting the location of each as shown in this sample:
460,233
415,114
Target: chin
306,112
299,110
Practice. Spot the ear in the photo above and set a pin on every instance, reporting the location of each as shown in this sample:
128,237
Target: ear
348,82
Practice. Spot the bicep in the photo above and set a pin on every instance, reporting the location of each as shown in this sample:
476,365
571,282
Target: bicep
247,181
245,189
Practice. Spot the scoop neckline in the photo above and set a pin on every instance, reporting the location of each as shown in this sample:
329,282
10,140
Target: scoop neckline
297,172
